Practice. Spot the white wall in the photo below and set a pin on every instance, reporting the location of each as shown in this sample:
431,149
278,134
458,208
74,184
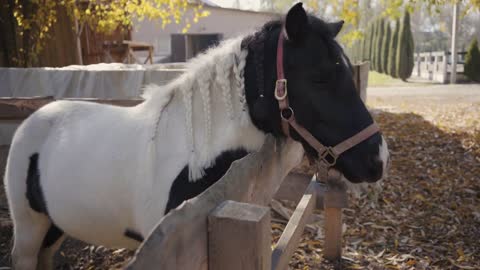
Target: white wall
229,22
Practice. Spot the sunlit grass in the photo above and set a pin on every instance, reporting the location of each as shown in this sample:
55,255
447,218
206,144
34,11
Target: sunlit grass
376,79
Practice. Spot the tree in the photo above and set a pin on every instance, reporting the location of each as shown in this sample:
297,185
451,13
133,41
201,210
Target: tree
373,56
392,53
370,41
472,61
363,54
34,19
386,47
405,51
378,57
351,11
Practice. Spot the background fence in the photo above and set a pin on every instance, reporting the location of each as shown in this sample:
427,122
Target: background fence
436,66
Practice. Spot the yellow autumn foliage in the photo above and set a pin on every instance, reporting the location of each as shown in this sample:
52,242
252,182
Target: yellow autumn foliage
36,19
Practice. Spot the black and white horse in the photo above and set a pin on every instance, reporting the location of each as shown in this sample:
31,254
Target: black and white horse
106,174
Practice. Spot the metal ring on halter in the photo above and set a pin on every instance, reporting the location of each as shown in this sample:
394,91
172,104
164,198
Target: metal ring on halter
282,97
287,117
329,157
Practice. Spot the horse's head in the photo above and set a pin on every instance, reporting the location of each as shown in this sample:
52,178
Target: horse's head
321,92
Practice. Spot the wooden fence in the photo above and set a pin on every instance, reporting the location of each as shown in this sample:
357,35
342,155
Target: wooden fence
228,225
436,66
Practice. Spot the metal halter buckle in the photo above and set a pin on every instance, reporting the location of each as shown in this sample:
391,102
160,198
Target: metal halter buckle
284,82
328,157
289,115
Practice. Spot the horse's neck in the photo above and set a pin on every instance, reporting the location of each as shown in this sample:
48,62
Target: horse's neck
216,117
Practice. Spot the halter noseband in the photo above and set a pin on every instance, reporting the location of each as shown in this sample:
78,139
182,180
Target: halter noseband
327,155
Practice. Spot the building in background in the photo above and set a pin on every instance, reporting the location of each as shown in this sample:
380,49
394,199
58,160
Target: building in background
170,45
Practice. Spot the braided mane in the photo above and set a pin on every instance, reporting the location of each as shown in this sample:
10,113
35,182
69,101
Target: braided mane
214,84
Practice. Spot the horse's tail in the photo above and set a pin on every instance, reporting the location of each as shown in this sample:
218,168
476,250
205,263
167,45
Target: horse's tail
22,183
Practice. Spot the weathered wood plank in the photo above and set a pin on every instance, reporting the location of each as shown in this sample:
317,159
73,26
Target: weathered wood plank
335,199
290,237
239,237
364,70
21,108
360,78
333,234
293,187
180,239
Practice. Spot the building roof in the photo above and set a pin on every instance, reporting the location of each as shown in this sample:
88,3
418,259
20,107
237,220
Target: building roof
211,4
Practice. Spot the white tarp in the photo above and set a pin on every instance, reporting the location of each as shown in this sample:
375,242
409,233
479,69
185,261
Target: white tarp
114,80
95,81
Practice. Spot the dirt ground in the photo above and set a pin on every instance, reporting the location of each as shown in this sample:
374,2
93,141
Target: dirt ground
426,216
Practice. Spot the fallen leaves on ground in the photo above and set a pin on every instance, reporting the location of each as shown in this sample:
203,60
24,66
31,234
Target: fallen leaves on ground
427,215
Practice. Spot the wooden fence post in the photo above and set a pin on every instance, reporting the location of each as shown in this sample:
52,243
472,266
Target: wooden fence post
335,199
239,237
360,79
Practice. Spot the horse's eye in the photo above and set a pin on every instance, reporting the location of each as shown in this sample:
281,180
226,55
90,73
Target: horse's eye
321,81
320,78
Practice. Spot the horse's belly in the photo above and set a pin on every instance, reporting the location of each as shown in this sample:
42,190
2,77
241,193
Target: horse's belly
89,185
90,208
94,228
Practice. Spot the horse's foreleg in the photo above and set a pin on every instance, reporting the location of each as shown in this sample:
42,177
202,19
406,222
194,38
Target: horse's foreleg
29,231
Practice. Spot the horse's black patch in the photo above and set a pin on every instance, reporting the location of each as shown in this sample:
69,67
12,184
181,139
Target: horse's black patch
133,235
53,234
34,190
183,189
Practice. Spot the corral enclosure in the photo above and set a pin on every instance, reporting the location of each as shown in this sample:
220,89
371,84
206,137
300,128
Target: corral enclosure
254,179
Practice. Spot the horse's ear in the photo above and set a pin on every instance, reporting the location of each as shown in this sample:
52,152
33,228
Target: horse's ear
335,27
296,22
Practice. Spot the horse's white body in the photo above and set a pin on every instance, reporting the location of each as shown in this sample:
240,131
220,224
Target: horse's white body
104,169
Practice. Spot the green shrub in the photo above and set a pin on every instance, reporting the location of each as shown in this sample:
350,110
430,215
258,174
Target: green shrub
373,55
370,43
386,47
472,61
378,49
365,44
405,51
392,53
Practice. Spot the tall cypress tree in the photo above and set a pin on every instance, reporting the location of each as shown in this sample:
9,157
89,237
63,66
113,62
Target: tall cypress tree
358,51
373,55
472,61
363,46
369,43
378,56
405,52
386,47
392,53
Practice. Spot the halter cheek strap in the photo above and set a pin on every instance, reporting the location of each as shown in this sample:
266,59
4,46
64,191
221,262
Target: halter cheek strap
327,155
